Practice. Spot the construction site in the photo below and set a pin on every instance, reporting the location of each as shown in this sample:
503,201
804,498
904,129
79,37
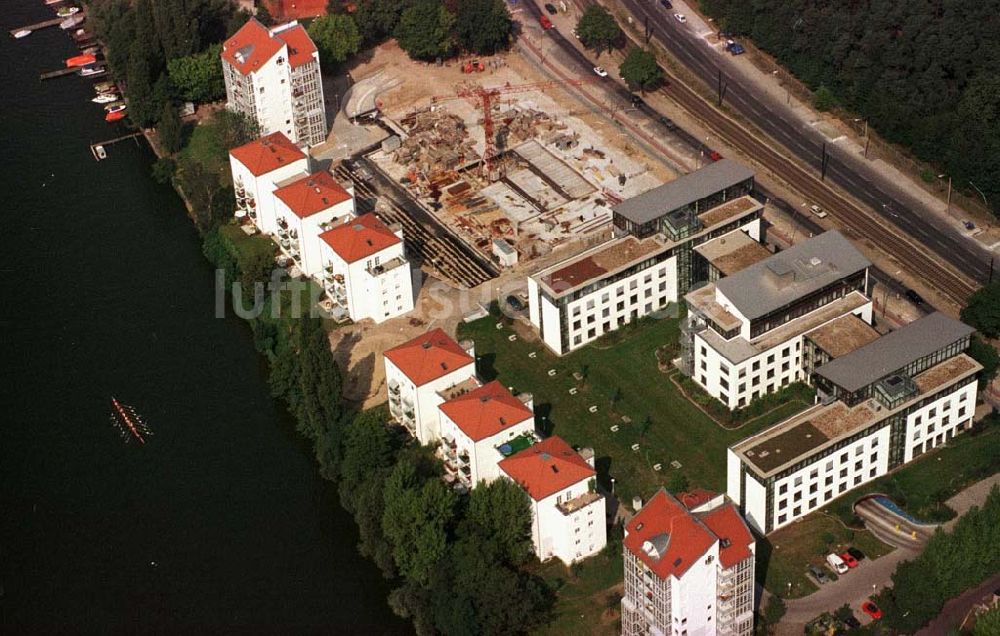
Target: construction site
501,162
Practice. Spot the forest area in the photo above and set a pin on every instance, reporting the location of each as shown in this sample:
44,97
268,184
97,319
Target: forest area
925,73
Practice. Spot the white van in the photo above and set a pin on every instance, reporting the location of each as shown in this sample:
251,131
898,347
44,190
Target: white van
818,211
836,564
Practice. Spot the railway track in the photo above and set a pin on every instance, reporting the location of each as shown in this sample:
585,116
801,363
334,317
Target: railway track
949,282
437,249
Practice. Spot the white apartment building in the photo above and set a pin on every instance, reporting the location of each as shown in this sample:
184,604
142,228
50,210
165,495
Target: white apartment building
881,406
481,427
567,512
364,269
689,569
751,333
306,206
650,263
418,374
257,167
273,77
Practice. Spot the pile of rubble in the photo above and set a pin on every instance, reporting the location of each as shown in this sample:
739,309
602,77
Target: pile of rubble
436,140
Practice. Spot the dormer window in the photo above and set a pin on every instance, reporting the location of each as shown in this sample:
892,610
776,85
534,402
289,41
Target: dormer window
281,60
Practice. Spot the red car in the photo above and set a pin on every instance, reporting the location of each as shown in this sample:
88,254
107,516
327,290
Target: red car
545,22
871,609
714,156
849,560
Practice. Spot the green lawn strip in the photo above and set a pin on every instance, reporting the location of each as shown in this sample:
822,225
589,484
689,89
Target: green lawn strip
621,378
783,556
921,487
584,594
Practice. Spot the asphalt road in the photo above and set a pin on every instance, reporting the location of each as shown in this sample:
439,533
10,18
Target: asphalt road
776,120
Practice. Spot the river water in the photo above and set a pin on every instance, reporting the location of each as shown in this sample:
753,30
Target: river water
221,518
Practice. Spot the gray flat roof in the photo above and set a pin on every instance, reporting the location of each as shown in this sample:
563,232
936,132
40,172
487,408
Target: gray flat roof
682,191
893,351
787,276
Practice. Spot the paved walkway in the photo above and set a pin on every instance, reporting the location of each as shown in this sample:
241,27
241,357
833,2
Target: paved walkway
870,576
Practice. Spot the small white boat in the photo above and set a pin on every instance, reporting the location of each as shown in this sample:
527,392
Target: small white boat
88,71
23,33
114,108
65,12
53,1
71,22
101,152
105,98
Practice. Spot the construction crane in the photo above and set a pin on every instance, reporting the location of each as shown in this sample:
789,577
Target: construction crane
484,97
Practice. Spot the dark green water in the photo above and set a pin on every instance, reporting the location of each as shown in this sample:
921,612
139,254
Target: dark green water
221,519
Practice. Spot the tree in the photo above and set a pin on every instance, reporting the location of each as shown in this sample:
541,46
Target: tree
424,30
597,29
198,77
639,69
985,354
336,37
169,129
418,513
205,194
677,483
499,514
163,170
142,108
483,26
988,623
983,310
263,14
824,99
771,614
378,19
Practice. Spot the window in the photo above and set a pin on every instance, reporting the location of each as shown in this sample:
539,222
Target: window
843,487
828,481
797,496
798,481
723,369
770,359
813,488
843,472
756,365
857,465
781,518
782,489
812,503
797,511
873,458
871,473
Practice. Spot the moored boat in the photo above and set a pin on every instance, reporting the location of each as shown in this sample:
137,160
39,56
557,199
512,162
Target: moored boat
71,22
53,1
105,98
104,87
65,12
100,152
23,33
90,71
115,116
116,107
80,60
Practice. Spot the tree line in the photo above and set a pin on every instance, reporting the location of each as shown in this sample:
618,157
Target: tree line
459,565
925,73
951,563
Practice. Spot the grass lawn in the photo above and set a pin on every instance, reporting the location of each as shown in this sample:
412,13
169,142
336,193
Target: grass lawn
921,487
588,594
205,146
621,378
783,556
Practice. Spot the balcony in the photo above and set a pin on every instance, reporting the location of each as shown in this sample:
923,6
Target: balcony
393,387
579,502
282,223
388,266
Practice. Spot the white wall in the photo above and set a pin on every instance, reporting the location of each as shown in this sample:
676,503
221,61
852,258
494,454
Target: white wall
550,318
693,596
935,423
262,188
569,537
733,466
534,312
378,297
483,455
755,507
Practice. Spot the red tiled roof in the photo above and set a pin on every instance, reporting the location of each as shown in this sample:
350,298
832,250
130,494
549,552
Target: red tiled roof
687,540
300,45
312,193
254,44
695,497
486,411
728,525
267,153
360,238
428,357
547,467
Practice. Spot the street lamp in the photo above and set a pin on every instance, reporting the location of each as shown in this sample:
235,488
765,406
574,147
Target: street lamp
985,202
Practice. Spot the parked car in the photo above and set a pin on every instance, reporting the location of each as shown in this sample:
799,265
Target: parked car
636,100
836,563
818,574
667,123
714,155
818,211
666,4
737,49
551,8
914,297
545,22
857,554
852,622
600,71
870,608
969,225
849,560
680,18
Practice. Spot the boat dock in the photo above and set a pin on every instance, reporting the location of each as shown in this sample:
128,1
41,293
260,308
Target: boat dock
93,147
37,25
59,73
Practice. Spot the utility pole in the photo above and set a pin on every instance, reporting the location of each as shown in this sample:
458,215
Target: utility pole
722,88
948,204
825,161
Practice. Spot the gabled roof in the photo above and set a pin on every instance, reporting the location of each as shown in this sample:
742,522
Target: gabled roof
727,524
429,357
312,193
675,535
300,45
360,238
547,467
486,411
268,153
251,47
